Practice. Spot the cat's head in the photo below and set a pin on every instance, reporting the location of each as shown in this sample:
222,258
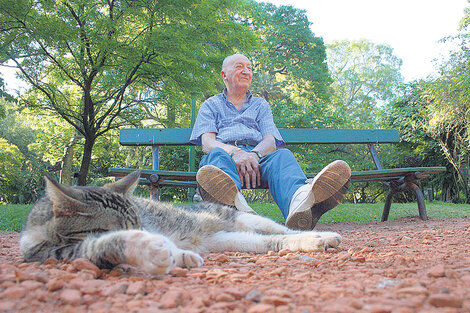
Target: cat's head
79,211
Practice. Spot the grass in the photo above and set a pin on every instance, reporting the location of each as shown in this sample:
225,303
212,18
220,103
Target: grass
372,212
13,216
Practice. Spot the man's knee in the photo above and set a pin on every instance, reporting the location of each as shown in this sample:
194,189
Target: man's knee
283,154
215,156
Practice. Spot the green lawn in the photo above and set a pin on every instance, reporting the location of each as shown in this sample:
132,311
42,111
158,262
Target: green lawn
12,216
372,212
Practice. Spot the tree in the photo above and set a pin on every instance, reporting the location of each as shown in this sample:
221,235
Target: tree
290,48
11,176
366,76
84,58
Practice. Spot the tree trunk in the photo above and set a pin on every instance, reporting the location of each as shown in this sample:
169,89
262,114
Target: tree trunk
86,161
67,161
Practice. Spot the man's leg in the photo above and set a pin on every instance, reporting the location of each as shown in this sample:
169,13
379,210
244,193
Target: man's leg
219,182
302,203
283,175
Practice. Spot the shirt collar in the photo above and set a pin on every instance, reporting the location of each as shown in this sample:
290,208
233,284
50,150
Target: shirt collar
248,95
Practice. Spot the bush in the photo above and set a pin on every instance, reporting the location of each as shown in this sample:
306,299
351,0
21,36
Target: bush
11,177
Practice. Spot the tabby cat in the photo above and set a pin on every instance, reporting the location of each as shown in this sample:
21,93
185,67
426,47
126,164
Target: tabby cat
109,226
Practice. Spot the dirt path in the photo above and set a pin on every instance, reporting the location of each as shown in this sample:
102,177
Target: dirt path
405,265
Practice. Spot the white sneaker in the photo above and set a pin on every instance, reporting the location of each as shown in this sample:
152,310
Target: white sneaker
332,181
242,205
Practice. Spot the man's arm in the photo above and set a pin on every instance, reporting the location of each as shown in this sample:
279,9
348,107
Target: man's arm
209,142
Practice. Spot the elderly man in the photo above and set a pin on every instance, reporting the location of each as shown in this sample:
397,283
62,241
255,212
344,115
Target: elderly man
243,148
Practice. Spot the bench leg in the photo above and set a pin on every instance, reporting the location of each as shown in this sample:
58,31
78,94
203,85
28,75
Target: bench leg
388,203
154,187
420,200
400,185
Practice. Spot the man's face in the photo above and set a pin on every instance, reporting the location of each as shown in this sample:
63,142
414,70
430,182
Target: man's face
237,74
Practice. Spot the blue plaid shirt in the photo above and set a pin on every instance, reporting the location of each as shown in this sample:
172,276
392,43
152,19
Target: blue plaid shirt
253,121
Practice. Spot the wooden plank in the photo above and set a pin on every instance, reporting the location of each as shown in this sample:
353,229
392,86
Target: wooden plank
331,136
145,173
356,176
180,136
154,136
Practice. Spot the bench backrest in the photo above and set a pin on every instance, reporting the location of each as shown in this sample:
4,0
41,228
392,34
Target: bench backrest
180,136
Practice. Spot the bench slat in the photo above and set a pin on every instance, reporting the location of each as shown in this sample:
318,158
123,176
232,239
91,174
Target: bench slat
383,175
180,136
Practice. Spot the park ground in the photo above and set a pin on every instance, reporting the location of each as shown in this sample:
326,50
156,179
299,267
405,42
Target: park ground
404,265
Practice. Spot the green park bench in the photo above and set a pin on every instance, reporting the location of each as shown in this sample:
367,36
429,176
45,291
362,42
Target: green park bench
398,179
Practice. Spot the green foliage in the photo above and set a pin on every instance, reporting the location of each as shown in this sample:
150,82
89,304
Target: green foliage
290,48
18,128
13,216
88,61
11,176
366,76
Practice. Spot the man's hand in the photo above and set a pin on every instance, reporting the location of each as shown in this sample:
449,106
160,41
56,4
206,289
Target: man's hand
248,168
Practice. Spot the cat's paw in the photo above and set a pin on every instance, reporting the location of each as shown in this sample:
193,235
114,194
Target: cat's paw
150,252
305,241
187,258
332,239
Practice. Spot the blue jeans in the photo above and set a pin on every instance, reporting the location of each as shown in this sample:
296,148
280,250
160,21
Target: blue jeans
279,170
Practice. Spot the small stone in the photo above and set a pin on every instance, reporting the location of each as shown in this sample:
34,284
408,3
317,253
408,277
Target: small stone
115,289
254,295
414,290
261,308
274,300
178,272
31,284
51,262
224,297
437,271
13,293
135,288
6,306
237,294
215,273
277,272
378,308
55,284
222,258
445,300
171,299
71,296
284,252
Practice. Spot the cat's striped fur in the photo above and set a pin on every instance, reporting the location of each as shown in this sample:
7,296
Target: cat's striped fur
109,226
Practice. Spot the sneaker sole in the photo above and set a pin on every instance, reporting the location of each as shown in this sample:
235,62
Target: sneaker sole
217,184
329,188
302,220
330,180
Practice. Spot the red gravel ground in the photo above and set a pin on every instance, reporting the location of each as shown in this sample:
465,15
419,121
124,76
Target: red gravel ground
405,265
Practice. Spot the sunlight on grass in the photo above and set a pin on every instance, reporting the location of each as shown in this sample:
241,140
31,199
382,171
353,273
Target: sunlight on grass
372,212
13,216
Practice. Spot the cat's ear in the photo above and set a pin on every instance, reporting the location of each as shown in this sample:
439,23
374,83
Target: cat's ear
125,185
63,199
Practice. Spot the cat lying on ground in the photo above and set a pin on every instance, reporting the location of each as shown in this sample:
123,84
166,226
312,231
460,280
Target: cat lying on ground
109,226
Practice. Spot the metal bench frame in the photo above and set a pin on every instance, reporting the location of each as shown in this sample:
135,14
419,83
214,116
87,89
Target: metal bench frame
398,179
